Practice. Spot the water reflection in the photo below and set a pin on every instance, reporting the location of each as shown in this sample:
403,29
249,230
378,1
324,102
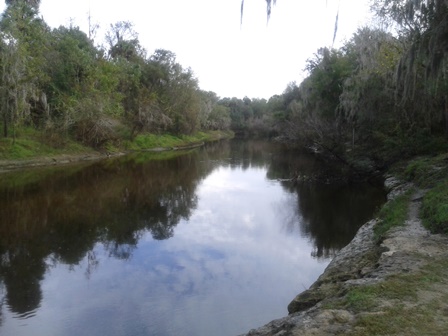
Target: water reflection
328,213
110,222
65,214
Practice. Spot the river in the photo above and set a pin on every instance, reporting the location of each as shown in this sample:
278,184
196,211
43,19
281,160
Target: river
211,241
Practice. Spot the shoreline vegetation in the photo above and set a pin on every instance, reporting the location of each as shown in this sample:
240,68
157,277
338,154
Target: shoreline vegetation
29,152
394,268
376,105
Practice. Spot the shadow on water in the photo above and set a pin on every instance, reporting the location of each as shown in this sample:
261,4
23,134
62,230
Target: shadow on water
329,214
61,214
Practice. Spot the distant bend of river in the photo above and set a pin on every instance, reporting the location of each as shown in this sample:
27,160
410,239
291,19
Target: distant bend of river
211,241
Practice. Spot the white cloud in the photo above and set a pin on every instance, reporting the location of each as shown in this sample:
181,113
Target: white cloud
255,59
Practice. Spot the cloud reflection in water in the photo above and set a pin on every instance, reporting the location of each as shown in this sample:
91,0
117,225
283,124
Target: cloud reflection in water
197,245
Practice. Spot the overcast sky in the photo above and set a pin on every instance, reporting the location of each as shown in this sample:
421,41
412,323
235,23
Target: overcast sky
254,59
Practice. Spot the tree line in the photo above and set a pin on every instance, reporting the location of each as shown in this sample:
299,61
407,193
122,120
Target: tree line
383,94
380,97
59,82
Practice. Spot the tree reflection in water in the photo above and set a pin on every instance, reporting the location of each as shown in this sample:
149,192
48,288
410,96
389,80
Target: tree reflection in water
329,214
65,214
59,215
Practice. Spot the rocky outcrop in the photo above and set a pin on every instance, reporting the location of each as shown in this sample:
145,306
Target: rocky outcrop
353,265
362,262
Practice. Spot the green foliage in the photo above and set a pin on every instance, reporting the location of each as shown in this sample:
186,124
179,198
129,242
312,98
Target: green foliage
22,45
359,299
33,3
435,208
254,117
168,141
321,90
20,149
148,141
219,118
431,172
394,213
417,169
63,85
30,144
427,171
369,297
423,63
351,104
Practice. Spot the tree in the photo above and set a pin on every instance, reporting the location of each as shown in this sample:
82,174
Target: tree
22,48
424,25
219,118
177,90
367,99
31,3
208,101
269,4
82,87
123,41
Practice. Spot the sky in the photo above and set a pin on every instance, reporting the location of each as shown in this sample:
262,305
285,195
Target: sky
254,59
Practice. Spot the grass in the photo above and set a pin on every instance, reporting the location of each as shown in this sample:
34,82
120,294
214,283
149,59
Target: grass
369,297
412,303
409,315
28,148
426,172
167,141
435,208
431,173
394,307
394,213
31,143
398,320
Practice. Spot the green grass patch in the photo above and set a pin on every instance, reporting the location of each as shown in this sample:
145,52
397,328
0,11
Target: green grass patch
427,171
435,208
31,143
369,297
168,141
398,320
382,309
148,141
142,157
394,213
28,148
361,298
394,307
22,148
414,318
431,172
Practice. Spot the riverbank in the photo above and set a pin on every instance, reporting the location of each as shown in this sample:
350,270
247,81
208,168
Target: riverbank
392,279
36,154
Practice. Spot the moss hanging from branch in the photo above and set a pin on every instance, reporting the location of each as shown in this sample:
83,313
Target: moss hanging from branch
269,4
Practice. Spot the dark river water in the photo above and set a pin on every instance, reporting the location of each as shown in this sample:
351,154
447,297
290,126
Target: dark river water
214,241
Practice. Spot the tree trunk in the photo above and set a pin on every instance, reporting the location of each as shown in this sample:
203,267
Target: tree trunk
353,137
446,116
5,126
